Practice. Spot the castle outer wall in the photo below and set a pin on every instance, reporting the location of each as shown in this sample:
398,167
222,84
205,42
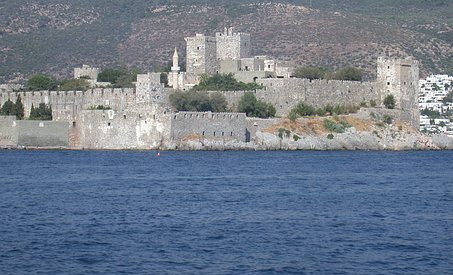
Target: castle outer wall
285,94
207,125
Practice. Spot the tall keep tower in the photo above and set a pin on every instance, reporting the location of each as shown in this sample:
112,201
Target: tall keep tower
200,56
231,45
399,77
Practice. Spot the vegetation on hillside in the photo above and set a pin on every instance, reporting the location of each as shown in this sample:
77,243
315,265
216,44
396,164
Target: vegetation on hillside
224,82
328,33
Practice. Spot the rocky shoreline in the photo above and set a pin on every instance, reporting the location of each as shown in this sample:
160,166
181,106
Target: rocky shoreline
269,142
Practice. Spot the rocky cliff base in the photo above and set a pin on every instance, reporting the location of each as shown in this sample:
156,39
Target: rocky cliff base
312,134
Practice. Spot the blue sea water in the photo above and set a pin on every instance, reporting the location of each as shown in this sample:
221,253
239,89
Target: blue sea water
77,212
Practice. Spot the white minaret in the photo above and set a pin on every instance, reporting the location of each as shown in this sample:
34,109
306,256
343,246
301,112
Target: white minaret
175,71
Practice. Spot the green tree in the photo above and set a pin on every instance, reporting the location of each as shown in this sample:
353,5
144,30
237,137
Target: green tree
310,73
43,112
224,82
198,101
41,82
255,108
348,73
19,108
8,108
247,104
389,102
218,102
111,75
119,78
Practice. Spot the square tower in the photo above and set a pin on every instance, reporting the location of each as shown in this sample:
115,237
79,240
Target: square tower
231,45
399,77
86,72
201,55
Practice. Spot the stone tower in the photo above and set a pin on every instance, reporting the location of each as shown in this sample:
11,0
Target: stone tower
201,57
149,89
399,77
233,46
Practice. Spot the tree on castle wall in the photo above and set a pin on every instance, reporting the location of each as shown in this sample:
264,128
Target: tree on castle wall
13,109
41,82
74,85
120,78
253,107
198,101
310,73
43,112
348,73
224,82
19,108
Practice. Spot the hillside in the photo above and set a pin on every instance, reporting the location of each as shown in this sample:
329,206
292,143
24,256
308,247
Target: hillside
53,36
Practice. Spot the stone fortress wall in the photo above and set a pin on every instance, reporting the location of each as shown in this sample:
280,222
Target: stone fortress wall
285,94
142,118
110,129
66,104
14,133
201,125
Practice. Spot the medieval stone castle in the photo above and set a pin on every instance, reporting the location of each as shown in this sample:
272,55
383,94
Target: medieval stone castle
142,118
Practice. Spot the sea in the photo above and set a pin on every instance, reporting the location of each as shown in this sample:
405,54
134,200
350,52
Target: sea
275,212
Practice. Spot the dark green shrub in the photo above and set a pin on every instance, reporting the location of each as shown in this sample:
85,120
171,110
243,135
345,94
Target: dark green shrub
373,103
198,101
330,136
43,112
339,127
348,73
253,107
389,102
296,137
310,73
13,109
224,82
41,82
281,132
74,85
387,119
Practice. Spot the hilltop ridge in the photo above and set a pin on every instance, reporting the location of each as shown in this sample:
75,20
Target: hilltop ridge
54,36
